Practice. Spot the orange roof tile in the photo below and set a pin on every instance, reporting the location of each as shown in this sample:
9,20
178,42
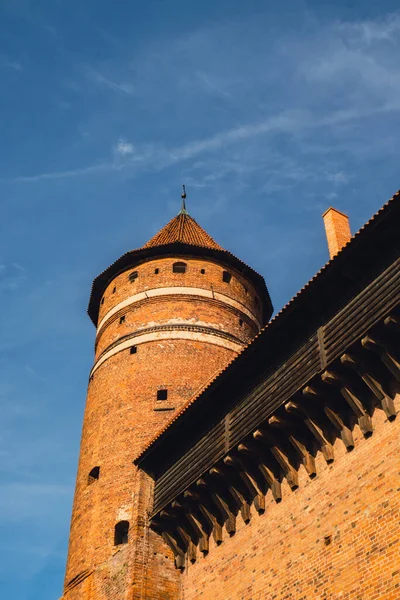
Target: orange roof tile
184,229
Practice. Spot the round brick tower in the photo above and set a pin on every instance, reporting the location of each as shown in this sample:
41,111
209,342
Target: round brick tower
169,316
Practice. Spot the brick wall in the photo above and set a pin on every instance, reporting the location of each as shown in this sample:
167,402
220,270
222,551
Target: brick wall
335,537
122,414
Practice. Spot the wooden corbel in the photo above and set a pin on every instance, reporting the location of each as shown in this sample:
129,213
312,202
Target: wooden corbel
281,458
209,504
345,433
392,322
246,473
374,385
179,555
326,447
306,458
273,483
220,484
381,348
363,418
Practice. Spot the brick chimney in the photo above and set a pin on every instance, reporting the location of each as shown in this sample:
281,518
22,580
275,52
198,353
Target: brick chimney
337,229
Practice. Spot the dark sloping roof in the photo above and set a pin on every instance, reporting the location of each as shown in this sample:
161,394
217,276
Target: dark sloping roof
293,316
182,236
185,230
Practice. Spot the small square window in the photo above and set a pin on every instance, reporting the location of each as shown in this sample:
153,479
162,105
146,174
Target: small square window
156,271
122,320
133,350
93,475
202,271
226,276
179,267
133,276
241,322
162,394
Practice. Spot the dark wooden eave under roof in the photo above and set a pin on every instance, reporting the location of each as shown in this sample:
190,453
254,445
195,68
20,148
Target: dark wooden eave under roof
182,236
322,297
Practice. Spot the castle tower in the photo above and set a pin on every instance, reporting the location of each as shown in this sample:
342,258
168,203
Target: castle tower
169,316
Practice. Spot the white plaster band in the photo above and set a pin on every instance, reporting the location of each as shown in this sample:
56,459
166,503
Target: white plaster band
186,291
167,335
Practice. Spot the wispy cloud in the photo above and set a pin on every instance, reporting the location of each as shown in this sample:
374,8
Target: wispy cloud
367,32
158,157
121,87
124,148
8,63
343,76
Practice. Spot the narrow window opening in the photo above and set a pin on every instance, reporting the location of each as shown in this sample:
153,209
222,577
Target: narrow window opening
91,377
121,532
122,320
93,475
226,276
202,271
133,350
132,276
246,291
156,271
162,394
102,300
179,267
241,322
114,290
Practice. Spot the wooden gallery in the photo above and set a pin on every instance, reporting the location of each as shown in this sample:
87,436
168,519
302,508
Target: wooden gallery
228,456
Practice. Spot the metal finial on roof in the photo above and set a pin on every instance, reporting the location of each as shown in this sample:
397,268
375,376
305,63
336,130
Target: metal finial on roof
183,210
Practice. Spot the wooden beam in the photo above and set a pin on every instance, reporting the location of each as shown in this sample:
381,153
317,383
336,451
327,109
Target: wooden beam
345,433
192,526
193,504
262,465
222,485
311,424
252,476
363,418
180,561
280,456
209,504
290,473
376,388
169,540
192,552
217,533
245,512
380,348
221,504
288,428
204,545
249,487
273,482
230,525
392,322
307,459
259,504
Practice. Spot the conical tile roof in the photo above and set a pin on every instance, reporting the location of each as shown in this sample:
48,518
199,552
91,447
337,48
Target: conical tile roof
181,234
185,230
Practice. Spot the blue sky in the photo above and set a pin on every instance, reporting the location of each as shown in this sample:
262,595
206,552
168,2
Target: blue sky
269,112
